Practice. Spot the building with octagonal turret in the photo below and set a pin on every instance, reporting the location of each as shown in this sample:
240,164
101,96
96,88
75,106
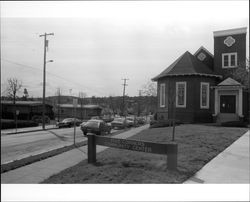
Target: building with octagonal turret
198,87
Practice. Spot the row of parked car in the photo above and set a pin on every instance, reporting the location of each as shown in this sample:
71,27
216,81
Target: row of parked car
99,126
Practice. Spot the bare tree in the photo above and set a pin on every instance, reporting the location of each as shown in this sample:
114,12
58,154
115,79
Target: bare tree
14,85
58,93
241,73
149,90
172,108
111,104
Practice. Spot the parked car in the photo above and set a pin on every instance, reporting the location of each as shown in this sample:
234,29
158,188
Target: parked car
107,118
96,117
119,123
95,126
131,121
69,122
39,119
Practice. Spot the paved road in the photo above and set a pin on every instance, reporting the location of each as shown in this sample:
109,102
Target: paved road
18,146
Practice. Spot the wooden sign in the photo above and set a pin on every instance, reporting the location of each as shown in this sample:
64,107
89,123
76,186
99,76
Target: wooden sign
169,149
134,145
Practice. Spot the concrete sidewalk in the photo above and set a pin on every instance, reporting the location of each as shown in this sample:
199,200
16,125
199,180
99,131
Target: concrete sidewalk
39,171
230,166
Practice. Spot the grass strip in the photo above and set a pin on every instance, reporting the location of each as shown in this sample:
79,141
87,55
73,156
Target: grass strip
197,145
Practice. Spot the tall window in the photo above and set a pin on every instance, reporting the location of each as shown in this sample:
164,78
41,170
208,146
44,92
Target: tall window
162,95
229,60
204,95
181,94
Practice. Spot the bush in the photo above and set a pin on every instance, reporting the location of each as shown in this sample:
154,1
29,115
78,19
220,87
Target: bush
234,124
163,123
7,124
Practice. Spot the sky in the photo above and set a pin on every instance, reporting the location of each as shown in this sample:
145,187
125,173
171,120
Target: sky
97,44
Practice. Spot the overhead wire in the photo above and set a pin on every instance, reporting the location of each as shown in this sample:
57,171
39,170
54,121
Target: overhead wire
34,68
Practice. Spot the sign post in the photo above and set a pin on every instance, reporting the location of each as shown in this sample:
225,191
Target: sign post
17,113
75,105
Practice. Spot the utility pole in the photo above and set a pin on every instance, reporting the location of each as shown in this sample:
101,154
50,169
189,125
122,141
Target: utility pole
139,104
123,98
46,42
81,96
58,103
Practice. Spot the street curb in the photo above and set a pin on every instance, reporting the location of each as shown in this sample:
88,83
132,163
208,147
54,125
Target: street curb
28,131
38,157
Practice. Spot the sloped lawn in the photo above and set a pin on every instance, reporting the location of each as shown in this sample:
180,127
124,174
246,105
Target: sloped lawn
197,145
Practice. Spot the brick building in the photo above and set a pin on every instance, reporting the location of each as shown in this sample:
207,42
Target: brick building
199,86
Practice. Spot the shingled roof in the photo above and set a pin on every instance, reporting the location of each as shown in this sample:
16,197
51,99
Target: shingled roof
186,64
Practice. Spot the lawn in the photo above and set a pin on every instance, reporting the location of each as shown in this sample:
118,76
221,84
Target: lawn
197,145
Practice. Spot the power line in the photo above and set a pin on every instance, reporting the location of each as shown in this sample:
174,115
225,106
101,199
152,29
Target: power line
51,74
26,66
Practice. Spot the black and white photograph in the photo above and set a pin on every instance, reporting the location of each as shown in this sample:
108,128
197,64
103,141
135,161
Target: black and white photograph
125,100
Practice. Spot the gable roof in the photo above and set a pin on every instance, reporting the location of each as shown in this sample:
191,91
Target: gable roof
229,82
186,64
203,48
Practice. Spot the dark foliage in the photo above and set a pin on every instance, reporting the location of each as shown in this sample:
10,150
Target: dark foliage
234,124
163,123
6,124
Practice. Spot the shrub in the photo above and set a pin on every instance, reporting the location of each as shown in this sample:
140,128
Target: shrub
234,124
7,124
162,123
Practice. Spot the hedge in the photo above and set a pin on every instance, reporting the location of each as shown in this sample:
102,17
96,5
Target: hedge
234,124
7,124
163,123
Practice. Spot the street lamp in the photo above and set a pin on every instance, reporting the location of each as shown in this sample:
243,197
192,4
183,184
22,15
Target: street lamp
44,86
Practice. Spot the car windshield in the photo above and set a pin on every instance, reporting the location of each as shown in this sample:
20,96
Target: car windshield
66,120
119,119
92,124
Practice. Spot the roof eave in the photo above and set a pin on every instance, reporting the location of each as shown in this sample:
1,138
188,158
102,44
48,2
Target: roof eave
191,74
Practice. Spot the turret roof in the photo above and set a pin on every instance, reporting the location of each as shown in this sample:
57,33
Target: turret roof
186,64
